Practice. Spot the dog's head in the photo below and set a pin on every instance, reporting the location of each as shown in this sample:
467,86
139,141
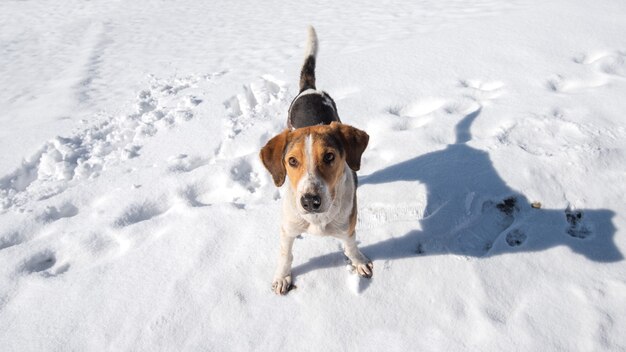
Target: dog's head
314,158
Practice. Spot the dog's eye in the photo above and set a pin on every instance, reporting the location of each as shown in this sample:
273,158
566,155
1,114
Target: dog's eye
293,162
329,157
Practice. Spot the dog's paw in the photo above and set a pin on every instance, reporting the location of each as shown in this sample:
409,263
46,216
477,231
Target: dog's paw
365,270
282,285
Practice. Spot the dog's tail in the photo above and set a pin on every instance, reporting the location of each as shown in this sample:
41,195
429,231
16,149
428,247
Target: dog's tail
307,74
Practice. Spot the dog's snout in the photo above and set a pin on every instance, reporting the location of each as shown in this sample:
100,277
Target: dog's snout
311,202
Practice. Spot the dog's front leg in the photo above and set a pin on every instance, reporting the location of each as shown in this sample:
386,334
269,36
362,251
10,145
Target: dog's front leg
282,278
361,263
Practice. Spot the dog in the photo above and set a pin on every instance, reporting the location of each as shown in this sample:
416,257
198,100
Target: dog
320,156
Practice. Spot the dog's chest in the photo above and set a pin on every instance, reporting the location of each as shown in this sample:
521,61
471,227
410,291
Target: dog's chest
323,226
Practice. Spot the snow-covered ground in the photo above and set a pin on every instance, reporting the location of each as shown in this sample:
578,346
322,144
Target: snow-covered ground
135,214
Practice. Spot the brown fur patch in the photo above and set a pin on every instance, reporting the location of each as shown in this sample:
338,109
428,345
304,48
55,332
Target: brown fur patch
272,157
296,150
355,141
353,214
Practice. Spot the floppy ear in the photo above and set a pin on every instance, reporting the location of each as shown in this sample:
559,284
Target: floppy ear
272,157
354,141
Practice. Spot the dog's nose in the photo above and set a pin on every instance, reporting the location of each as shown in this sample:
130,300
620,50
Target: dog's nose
311,202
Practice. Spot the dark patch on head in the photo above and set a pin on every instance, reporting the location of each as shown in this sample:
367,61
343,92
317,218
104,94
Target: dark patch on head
331,141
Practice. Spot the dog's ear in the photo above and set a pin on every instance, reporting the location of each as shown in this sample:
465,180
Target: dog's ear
354,141
272,157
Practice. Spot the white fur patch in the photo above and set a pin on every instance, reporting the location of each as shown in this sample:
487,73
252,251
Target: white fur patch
309,91
311,43
308,150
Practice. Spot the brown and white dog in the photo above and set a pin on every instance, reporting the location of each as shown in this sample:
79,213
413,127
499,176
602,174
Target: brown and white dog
319,155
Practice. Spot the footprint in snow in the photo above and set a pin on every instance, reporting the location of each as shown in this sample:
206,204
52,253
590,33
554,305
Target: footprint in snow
576,226
515,238
43,262
53,213
243,173
139,212
185,163
190,195
10,239
561,84
39,262
477,238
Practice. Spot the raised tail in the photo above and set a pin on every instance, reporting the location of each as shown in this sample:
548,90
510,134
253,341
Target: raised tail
307,74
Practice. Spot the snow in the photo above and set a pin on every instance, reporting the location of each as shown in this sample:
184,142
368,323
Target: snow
135,214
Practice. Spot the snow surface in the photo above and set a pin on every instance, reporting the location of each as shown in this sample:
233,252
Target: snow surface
135,214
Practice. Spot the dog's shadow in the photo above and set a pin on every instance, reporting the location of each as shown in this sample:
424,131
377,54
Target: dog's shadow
471,211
